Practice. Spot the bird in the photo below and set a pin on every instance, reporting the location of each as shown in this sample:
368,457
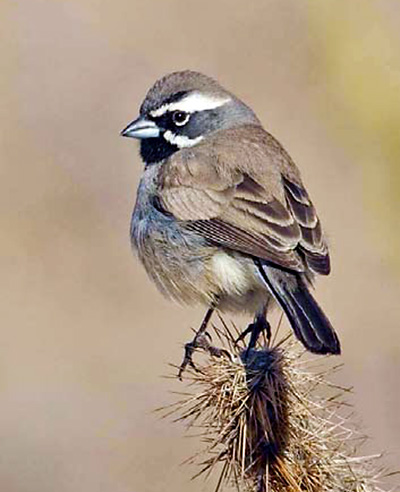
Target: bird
222,217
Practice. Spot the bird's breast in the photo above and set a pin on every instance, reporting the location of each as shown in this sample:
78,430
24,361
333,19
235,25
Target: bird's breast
184,266
174,257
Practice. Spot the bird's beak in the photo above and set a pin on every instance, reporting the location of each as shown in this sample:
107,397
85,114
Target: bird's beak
141,128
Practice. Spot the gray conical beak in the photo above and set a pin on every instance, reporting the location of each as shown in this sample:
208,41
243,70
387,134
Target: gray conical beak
141,128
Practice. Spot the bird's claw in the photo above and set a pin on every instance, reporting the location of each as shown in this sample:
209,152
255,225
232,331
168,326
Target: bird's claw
244,333
200,342
190,347
259,326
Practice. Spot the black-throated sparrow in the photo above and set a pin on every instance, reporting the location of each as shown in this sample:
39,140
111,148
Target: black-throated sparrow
222,216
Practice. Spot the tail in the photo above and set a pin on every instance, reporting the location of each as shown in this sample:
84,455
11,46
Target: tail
307,319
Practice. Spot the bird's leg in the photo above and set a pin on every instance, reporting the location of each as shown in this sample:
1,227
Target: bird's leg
259,325
199,341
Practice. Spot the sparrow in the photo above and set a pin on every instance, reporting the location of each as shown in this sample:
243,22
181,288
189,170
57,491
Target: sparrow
222,216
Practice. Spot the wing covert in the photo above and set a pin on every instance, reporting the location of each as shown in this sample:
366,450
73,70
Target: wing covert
235,206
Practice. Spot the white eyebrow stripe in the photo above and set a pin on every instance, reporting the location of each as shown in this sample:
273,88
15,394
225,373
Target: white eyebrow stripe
191,103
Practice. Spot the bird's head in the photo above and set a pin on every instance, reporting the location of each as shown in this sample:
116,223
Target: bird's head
181,110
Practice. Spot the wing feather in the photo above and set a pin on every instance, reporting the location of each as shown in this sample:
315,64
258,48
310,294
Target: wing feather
312,242
264,212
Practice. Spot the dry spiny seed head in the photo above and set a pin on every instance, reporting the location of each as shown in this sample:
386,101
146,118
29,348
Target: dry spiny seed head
266,415
271,423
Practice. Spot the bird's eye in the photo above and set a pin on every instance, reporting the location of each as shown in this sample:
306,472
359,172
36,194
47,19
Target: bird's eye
180,118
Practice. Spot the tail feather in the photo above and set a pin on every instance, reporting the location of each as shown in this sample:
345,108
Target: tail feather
307,319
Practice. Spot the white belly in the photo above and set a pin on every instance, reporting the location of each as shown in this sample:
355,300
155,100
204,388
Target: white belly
237,283
230,274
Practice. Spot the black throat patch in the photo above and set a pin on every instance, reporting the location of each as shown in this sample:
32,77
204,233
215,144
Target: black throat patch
154,150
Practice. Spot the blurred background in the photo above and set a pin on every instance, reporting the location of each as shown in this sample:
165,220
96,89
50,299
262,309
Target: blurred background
85,336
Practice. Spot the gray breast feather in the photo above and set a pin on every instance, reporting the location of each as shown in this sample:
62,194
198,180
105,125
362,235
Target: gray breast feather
172,256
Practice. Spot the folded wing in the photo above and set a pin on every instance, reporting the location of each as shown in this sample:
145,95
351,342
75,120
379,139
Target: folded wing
273,221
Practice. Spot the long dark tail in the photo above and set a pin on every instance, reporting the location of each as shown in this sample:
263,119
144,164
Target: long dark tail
307,319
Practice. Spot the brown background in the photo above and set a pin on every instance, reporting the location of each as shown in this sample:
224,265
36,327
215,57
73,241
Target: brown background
85,337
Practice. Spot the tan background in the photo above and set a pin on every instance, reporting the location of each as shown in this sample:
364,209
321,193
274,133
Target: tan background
85,337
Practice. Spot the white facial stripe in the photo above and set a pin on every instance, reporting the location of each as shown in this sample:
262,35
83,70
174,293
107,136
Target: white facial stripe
180,140
191,103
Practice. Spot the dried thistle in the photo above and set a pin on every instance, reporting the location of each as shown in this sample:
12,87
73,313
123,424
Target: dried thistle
269,423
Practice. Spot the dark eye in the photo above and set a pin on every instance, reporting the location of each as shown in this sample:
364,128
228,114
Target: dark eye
180,118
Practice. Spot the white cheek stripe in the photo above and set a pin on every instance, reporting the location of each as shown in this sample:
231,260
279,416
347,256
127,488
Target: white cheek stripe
191,103
180,140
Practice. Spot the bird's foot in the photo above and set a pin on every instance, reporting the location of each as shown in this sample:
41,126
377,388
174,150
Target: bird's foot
200,341
259,326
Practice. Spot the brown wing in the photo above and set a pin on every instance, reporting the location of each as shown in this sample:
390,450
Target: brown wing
229,207
312,243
